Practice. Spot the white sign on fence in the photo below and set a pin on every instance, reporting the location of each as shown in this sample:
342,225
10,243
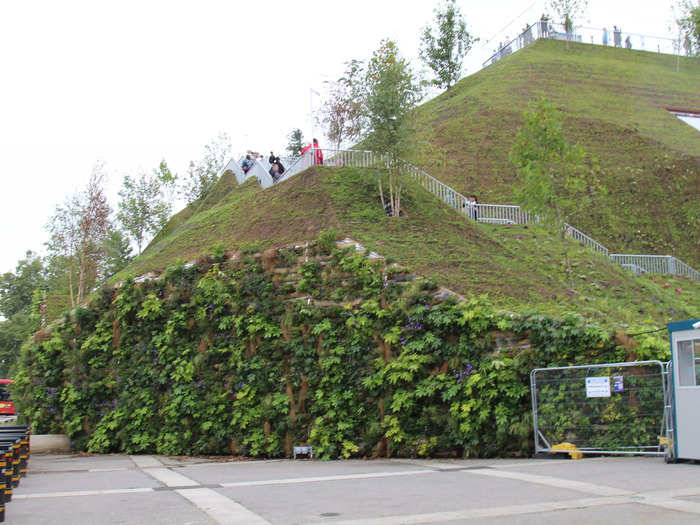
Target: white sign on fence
598,386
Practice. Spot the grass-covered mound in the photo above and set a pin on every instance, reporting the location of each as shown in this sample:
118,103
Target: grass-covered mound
216,358
614,103
519,267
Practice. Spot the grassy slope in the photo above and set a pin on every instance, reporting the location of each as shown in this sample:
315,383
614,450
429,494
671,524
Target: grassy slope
613,102
517,266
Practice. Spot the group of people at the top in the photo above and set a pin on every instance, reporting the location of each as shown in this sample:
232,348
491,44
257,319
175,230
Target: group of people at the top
277,169
545,30
617,38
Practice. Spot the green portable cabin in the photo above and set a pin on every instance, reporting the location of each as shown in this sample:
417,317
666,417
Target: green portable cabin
685,367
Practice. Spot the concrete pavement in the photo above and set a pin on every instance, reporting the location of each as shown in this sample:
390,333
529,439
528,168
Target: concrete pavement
115,489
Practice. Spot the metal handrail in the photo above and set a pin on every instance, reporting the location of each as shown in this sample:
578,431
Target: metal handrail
664,264
585,35
585,239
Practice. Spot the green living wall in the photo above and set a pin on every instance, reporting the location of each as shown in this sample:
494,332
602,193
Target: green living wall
252,354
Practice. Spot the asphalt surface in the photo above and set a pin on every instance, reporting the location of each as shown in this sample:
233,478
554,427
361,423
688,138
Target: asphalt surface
154,490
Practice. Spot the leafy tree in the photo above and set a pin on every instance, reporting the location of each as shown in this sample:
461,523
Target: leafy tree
392,92
444,46
13,333
689,26
204,173
568,11
144,208
117,252
78,229
17,291
556,180
342,112
295,142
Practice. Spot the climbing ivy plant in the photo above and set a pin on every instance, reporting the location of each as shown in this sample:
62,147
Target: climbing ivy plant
349,355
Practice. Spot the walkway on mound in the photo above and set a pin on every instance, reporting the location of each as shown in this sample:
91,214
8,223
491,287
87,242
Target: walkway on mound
486,213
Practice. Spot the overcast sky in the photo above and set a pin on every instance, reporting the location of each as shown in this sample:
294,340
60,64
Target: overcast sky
131,82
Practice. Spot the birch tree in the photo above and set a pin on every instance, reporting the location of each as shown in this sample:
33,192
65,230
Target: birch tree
392,92
78,230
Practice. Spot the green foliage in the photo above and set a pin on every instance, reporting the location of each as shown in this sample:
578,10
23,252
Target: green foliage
444,51
568,11
202,174
210,359
689,26
392,92
20,297
343,110
556,181
143,207
16,289
295,142
117,252
326,241
647,157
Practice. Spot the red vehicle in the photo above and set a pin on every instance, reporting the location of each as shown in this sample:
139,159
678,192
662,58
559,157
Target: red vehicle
7,407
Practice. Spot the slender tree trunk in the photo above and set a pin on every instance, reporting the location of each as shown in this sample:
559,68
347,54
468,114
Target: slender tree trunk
82,277
397,213
562,237
70,282
391,193
381,192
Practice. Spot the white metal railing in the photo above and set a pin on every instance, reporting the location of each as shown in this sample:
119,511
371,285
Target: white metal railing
299,164
234,167
501,214
585,239
486,213
584,35
666,264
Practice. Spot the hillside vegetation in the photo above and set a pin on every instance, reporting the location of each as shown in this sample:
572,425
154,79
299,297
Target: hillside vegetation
613,101
614,105
213,358
518,266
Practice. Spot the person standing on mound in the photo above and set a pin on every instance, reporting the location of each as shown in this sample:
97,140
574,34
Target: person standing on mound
317,152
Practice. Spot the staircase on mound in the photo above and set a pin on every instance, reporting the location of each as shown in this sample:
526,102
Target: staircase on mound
485,213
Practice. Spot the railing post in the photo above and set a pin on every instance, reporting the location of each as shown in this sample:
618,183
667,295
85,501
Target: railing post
671,264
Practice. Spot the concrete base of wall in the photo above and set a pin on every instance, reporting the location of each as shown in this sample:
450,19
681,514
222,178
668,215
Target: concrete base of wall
49,443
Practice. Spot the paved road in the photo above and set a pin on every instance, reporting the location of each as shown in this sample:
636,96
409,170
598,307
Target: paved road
159,490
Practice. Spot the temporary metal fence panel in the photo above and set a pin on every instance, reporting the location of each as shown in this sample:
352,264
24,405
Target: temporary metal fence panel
611,408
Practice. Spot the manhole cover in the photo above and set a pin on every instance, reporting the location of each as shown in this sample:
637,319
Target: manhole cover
329,514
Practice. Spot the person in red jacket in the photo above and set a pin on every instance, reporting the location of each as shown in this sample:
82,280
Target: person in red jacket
317,152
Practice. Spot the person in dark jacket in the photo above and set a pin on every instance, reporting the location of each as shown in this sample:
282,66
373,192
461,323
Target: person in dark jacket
277,169
471,206
247,163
